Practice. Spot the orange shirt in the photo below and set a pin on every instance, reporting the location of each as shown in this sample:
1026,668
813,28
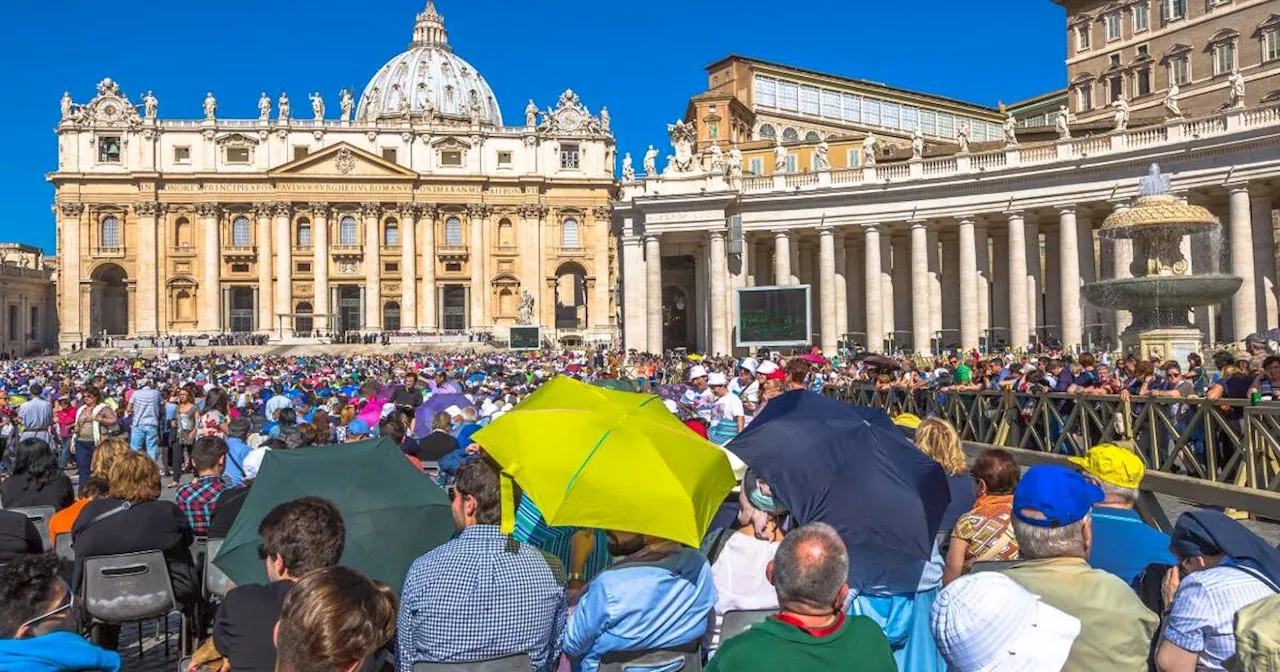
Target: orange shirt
62,521
987,531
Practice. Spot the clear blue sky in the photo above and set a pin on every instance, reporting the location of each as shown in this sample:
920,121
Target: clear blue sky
642,59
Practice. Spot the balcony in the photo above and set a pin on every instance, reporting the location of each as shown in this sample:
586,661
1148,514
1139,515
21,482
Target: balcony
183,250
506,251
101,252
239,253
453,252
571,251
347,252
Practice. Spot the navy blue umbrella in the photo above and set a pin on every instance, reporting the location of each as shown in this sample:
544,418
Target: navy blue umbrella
851,468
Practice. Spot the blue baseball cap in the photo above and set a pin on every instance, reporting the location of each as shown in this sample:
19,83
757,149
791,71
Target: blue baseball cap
358,427
1060,496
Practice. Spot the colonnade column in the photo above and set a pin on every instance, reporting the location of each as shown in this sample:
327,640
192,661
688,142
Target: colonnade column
373,266
1018,328
982,279
874,300
782,258
210,287
968,285
888,318
921,318
635,304
1035,280
601,316
827,289
408,268
653,291
320,307
266,312
148,262
1244,306
1122,267
284,258
1069,268
429,299
717,268
1264,258
1088,274
935,284
842,287
69,272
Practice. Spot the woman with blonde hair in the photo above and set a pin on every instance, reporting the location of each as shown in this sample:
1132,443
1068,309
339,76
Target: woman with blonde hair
105,455
938,439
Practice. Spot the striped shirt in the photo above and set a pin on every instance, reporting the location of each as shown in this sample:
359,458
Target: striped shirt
1204,610
531,528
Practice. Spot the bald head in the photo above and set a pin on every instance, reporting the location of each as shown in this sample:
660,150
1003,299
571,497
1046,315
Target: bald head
810,569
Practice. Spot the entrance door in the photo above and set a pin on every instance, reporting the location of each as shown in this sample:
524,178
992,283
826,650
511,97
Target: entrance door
242,309
349,309
454,311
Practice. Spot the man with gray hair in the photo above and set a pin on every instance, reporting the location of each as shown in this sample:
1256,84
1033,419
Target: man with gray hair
1052,523
810,632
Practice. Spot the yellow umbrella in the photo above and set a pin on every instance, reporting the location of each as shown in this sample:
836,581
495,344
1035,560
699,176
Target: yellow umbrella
592,457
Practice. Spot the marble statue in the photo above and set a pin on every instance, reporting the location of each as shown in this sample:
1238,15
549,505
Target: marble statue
402,107
1063,123
473,113
150,105
820,160
530,114
372,103
628,171
282,107
717,159
347,103
1236,84
651,162
604,119
1010,131
210,107
735,162
779,156
317,106
962,135
1121,107
66,105
1171,101
869,150
264,107
525,314
684,137
917,144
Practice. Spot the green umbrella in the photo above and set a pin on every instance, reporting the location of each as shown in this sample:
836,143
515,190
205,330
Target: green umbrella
614,384
393,512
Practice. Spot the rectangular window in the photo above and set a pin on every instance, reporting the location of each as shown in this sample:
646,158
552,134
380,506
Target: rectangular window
871,112
13,323
757,166
35,323
910,118
182,156
1144,50
788,96
809,100
766,91
504,158
453,267
854,157
451,158
852,107
389,154
831,104
1172,10
1113,26
946,125
569,157
109,149
1082,37
237,155
1084,98
1141,16
713,129
892,113
1180,70
239,268
1224,57
1142,82
1115,60
391,267
791,163
300,152
1271,45
304,267
1115,87
928,122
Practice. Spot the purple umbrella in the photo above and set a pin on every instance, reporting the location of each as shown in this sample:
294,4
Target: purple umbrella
437,403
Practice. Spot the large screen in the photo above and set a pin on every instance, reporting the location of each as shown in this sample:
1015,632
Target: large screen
525,338
773,316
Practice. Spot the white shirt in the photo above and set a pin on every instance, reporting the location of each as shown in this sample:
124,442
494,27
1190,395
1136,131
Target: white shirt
749,393
1204,610
740,581
727,408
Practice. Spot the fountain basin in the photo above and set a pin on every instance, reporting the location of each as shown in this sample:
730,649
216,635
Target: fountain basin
1160,293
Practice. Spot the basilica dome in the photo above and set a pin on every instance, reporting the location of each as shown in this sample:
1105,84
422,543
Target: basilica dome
428,80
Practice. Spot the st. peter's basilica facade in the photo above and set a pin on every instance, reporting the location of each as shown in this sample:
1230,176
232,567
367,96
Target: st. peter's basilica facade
414,211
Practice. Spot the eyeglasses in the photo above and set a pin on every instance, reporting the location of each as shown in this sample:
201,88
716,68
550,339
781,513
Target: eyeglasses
68,606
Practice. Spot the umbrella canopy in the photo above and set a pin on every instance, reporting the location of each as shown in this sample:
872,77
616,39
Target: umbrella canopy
437,403
598,458
851,468
393,512
880,362
614,384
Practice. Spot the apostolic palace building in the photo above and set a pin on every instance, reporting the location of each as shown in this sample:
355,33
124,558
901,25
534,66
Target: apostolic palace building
412,209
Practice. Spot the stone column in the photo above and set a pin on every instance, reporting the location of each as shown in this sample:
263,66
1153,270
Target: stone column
921,321
1018,293
1052,284
1122,267
1035,313
716,268
320,307
148,267
874,299
1069,267
266,311
999,296
1244,305
795,263
969,330
888,319
902,301
372,213
856,276
601,316
479,291
827,290
430,297
842,287
653,291
935,283
284,261
782,258
210,318
1264,258
408,268
983,280
1088,274
69,227
635,305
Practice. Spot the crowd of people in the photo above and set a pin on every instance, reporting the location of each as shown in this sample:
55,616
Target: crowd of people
1051,568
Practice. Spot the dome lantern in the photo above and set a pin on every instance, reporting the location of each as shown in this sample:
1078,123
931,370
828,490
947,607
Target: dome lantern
429,30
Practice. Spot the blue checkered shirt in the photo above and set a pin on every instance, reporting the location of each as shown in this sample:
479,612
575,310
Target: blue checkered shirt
481,596
1202,618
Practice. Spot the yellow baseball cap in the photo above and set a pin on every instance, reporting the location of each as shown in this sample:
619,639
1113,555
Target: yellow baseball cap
909,420
1112,464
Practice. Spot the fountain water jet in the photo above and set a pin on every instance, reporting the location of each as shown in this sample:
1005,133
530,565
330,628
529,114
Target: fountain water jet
1163,288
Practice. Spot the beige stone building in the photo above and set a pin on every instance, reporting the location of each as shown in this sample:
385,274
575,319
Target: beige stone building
416,211
28,308
1135,48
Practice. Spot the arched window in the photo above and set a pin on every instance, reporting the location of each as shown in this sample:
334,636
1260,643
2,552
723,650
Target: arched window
391,234
790,135
767,132
453,232
111,235
241,235
347,231
182,233
505,236
391,316
569,233
812,136
304,232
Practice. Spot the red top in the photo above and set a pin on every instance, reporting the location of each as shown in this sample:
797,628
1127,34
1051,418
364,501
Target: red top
815,632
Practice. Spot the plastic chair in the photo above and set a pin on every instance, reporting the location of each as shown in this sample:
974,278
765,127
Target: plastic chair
129,588
216,583
993,565
39,515
63,548
680,659
514,663
738,621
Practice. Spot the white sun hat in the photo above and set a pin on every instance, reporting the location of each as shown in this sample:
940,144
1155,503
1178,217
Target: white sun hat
987,622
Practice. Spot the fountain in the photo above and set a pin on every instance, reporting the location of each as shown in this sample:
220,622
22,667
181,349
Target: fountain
1162,289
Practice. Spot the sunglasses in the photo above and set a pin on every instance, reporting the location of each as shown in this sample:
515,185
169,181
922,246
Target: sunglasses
66,607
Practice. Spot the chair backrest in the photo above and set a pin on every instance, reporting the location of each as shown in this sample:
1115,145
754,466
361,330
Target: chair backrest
127,587
216,583
739,621
993,565
39,515
514,663
682,659
63,547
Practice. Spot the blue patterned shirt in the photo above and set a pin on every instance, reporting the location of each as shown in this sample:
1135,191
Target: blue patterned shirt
482,595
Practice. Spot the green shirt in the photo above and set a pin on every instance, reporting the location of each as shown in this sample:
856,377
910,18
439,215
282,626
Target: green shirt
964,374
857,646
